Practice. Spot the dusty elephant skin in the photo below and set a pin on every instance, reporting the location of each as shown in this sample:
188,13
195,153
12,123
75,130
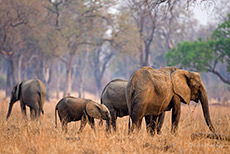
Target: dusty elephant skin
152,91
75,109
31,93
113,97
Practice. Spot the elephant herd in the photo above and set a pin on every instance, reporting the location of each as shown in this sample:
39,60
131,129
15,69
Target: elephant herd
147,94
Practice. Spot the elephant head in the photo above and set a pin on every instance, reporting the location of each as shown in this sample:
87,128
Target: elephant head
99,111
15,96
188,86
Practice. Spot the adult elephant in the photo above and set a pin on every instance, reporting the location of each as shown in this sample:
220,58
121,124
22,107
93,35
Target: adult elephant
152,91
113,97
31,93
74,109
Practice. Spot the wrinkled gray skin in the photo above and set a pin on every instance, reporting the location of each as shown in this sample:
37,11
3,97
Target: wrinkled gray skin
31,93
151,92
75,109
113,97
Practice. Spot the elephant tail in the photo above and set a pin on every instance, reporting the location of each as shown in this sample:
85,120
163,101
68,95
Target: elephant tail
129,94
101,121
56,116
129,125
40,103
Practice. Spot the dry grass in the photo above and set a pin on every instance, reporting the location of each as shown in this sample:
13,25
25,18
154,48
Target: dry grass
20,136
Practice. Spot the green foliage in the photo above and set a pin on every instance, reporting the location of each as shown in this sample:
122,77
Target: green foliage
203,55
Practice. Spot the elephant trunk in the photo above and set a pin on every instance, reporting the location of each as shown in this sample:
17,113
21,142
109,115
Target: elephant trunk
204,103
108,121
9,110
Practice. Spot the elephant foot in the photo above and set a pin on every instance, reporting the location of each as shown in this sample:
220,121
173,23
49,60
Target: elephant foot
159,132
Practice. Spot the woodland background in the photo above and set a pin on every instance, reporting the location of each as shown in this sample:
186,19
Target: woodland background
79,46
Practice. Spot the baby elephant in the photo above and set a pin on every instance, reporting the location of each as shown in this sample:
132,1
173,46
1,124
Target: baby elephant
74,109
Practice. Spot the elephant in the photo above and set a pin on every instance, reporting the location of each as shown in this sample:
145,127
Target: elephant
152,91
31,93
113,97
74,109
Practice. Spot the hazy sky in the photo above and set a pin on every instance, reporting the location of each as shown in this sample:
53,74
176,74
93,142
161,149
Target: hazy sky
201,15
203,11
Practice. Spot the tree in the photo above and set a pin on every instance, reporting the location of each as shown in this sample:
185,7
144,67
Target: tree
145,20
99,61
173,27
170,3
205,55
15,17
74,22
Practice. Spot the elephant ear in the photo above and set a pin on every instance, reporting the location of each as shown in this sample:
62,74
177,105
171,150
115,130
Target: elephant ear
93,110
180,79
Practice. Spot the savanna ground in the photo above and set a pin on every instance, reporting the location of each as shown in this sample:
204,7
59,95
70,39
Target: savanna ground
25,136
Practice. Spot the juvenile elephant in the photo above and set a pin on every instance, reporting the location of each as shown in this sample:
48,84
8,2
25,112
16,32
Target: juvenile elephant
31,93
74,109
113,97
151,92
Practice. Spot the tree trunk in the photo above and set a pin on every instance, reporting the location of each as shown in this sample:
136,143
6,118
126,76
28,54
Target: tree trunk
58,80
10,79
47,76
43,74
98,83
20,68
127,62
146,61
82,75
141,56
68,75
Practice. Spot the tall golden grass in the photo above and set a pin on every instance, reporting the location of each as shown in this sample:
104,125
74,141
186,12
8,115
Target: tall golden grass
18,135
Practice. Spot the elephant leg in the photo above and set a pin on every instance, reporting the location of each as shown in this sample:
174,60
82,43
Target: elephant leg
133,127
32,113
151,123
83,123
147,121
136,117
37,111
136,125
64,125
92,123
175,113
23,109
113,119
139,124
160,122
